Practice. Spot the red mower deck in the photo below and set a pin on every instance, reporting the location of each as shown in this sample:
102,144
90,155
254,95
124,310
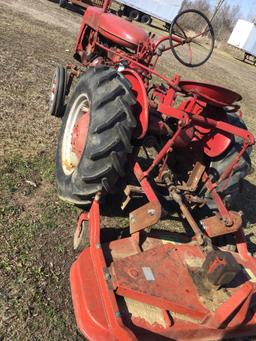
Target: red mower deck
157,289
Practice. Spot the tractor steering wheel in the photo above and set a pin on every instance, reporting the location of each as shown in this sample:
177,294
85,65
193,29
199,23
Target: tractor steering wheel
191,38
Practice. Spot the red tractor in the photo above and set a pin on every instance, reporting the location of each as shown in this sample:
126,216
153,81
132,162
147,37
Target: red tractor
168,145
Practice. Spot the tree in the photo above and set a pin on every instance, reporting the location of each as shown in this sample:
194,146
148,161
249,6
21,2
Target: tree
225,21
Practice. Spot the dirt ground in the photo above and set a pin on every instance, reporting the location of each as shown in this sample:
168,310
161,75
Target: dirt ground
36,228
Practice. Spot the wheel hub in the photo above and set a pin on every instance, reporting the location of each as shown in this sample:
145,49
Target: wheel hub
79,134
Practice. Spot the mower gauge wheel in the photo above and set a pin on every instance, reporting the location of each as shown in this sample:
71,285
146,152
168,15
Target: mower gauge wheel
191,38
58,91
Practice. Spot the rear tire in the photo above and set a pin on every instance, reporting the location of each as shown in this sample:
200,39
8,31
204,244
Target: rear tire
103,159
229,189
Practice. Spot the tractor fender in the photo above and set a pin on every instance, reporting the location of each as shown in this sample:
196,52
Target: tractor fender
140,109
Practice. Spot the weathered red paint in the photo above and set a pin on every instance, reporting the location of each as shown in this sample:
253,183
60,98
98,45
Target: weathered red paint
216,95
97,293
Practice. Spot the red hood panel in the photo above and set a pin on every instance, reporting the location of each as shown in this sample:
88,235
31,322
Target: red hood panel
121,31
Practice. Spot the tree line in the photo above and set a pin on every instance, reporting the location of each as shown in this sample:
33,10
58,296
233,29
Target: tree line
223,22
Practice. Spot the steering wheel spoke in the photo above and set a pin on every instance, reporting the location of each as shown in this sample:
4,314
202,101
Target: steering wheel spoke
197,32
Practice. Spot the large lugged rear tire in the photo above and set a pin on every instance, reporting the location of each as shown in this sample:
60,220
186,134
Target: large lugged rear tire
93,149
229,189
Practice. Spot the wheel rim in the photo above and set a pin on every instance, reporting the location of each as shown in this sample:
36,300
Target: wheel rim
75,135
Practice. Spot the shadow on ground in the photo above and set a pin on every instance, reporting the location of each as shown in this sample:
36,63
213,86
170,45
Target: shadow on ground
70,7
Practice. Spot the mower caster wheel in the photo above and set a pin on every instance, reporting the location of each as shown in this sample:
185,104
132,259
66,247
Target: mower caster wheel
229,190
58,92
81,236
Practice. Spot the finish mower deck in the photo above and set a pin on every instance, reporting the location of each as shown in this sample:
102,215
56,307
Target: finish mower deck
148,287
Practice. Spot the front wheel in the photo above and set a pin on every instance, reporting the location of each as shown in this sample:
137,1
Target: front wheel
95,136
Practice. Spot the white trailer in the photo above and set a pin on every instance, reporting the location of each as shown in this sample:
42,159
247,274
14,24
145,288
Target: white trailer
140,10
244,38
144,11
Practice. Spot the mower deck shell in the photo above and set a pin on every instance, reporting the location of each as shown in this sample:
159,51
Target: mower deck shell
89,310
199,320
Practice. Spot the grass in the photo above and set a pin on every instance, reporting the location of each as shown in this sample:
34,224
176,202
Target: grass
33,229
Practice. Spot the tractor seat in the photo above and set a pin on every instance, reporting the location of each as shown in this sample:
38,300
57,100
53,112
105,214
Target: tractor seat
121,31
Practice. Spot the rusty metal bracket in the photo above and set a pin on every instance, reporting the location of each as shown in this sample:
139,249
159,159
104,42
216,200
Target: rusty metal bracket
129,189
194,178
145,216
214,226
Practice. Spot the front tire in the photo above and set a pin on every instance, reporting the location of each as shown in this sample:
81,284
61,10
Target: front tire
92,150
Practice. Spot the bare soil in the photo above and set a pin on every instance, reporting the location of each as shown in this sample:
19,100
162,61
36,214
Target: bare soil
36,229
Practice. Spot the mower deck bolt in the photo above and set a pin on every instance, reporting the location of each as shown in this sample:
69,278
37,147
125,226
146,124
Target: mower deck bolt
151,212
118,314
98,246
133,273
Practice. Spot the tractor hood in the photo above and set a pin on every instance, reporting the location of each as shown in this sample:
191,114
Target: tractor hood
114,28
121,31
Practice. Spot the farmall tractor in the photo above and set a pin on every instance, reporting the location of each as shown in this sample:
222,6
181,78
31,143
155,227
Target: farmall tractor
168,145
